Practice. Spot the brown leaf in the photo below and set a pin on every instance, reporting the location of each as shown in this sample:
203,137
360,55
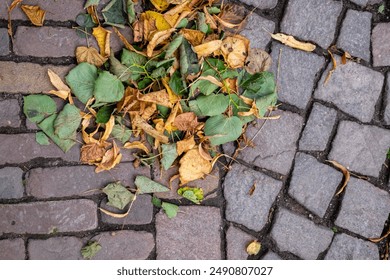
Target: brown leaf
193,166
253,248
93,13
185,145
186,121
108,129
232,16
10,8
148,111
158,38
63,91
377,240
137,145
257,61
88,137
290,41
346,174
90,55
208,48
330,73
160,97
344,58
204,153
35,14
102,37
148,129
92,153
126,43
195,37
110,159
235,50
252,189
209,19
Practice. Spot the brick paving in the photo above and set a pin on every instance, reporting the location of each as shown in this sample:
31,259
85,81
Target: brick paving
47,210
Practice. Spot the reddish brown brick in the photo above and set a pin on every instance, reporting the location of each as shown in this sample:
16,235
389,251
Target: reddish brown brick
55,248
12,249
44,217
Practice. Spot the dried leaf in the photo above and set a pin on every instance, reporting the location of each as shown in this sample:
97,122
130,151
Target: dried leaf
126,43
92,153
346,174
252,189
186,121
185,145
253,248
195,37
334,66
102,36
90,55
160,97
118,196
158,38
208,48
235,50
160,5
377,240
344,58
10,8
90,250
172,116
193,166
35,14
290,41
136,145
108,129
110,159
204,153
233,16
192,194
257,61
159,20
146,185
63,91
93,13
119,215
148,129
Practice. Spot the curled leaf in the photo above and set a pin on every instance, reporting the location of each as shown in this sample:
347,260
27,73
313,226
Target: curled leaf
136,145
157,39
102,36
13,5
253,248
377,240
290,41
334,66
235,50
110,159
346,174
35,14
63,91
193,166
148,129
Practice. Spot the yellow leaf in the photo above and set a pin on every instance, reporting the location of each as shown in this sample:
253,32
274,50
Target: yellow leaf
88,137
93,13
334,66
195,37
156,39
171,19
10,8
208,48
193,166
56,81
148,111
90,55
110,159
290,41
160,97
159,19
137,145
173,98
109,126
235,50
346,174
169,126
253,248
160,5
102,37
35,14
185,145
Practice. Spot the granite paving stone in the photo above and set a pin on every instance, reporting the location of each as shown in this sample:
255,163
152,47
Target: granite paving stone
240,206
381,44
355,34
360,148
12,249
352,80
44,217
318,128
237,241
299,235
256,31
4,42
55,248
271,256
11,183
275,147
9,113
345,247
261,4
297,72
184,237
313,184
387,110
360,2
363,201
313,20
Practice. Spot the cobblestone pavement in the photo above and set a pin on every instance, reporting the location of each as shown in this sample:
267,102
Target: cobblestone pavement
46,213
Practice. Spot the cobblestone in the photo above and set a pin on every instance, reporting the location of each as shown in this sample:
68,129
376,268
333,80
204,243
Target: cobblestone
360,2
274,148
261,4
271,256
258,36
11,183
361,148
352,79
240,205
355,34
313,184
312,20
237,241
318,129
381,45
183,237
299,235
4,42
12,249
387,111
44,217
363,201
295,87
9,113
345,247
55,248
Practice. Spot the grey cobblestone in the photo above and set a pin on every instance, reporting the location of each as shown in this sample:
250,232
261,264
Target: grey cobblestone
271,256
4,42
381,45
11,183
360,2
300,236
387,110
363,201
12,249
261,4
237,241
240,205
55,248
255,33
361,148
9,113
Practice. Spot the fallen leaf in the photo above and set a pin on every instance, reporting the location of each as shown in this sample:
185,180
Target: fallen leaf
92,153
10,8
67,122
110,159
208,48
192,194
37,107
185,145
195,37
170,209
146,185
90,55
93,13
159,20
42,138
126,43
235,50
204,153
119,215
186,121
334,66
344,58
156,202
253,248
118,196
35,14
63,91
160,5
346,174
257,61
121,133
136,145
102,37
290,41
193,166
169,155
232,16
169,126
252,189
148,129
377,240
108,128
90,250
160,97
158,38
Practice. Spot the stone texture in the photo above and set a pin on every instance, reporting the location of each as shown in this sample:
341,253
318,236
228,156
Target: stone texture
55,248
355,34
297,71
141,212
345,247
4,41
185,237
78,180
300,236
364,209
261,4
381,44
12,249
313,184
271,256
9,113
318,128
258,36
360,2
237,241
242,208
11,183
361,148
19,148
43,217
313,20
274,148
352,80
387,111
124,245
32,78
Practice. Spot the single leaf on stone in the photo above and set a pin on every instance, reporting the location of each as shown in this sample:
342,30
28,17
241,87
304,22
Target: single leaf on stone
193,194
290,41
63,91
193,166
121,132
37,107
257,61
81,80
222,129
169,155
91,3
42,139
253,248
90,55
35,14
146,185
213,104
186,121
114,14
67,122
160,5
102,37
108,88
90,250
334,66
170,209
346,173
185,145
118,196
13,5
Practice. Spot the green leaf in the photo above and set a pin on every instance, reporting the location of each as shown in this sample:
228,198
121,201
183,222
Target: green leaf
174,45
42,139
158,73
202,25
134,62
193,194
118,196
47,126
183,23
146,185
264,102
170,209
222,129
121,132
213,10
90,250
81,80
212,105
37,107
205,87
114,14
108,88
258,84
156,202
67,122
104,113
177,84
144,83
131,16
169,154
381,9
189,64
193,104
85,20
118,69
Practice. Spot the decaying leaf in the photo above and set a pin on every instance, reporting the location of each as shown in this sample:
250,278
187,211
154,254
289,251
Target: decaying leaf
346,174
148,129
160,97
208,48
377,240
35,14
90,55
253,248
13,5
160,5
344,58
146,185
92,153
235,50
252,189
290,41
193,166
118,196
102,36
110,159
185,145
157,39
195,37
232,16
192,194
136,145
90,250
63,91
257,61
186,121
334,66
